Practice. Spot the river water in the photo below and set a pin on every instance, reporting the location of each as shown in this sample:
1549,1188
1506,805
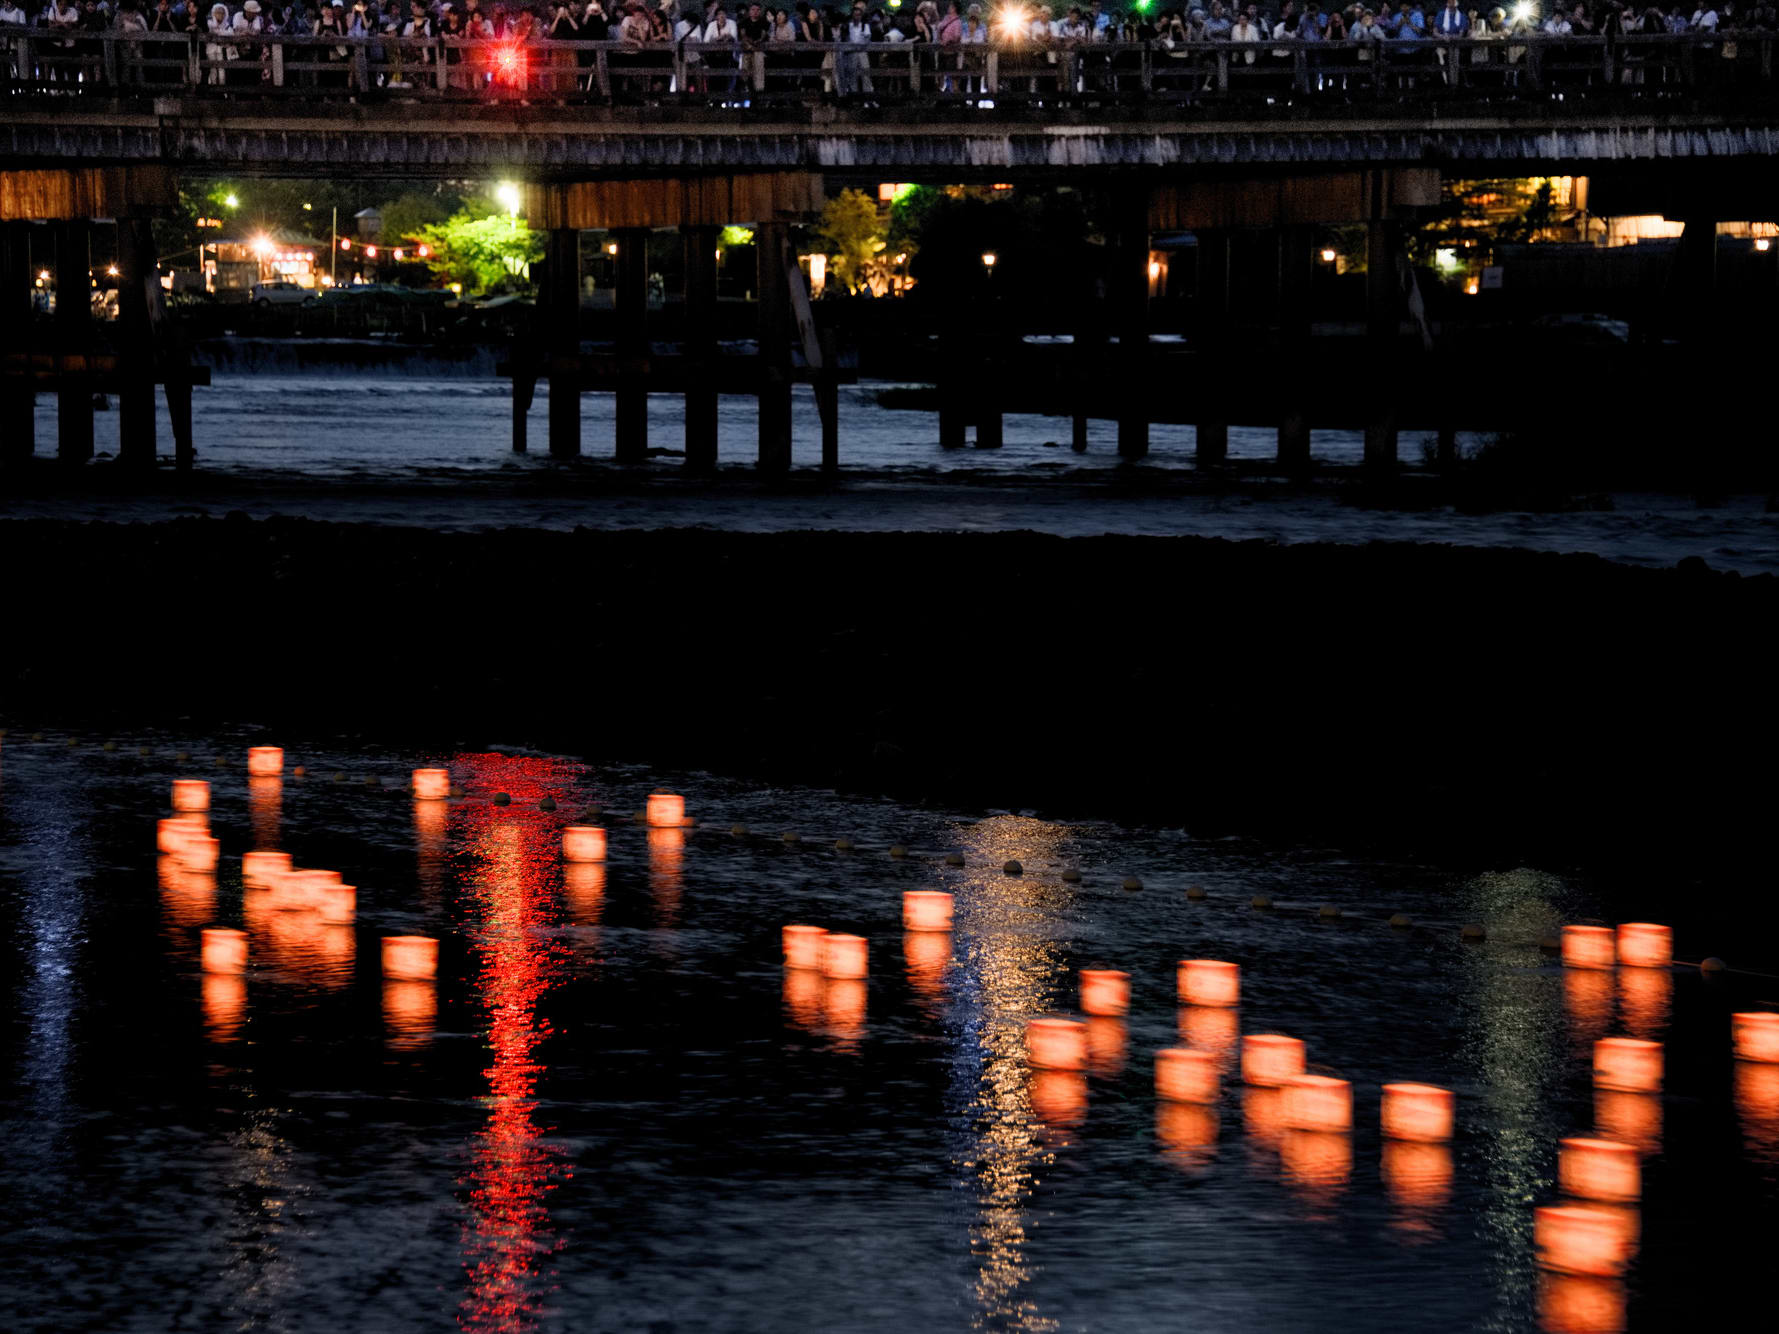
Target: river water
615,1110
436,452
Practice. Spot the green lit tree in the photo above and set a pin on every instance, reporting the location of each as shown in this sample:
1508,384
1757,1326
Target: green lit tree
852,233
486,253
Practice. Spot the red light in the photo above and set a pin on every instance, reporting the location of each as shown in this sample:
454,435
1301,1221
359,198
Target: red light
425,252
345,243
370,252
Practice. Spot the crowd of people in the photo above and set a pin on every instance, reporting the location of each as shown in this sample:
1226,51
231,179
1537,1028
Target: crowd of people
227,32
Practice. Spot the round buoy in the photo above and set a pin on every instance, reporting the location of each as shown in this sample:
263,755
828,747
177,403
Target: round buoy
547,804
371,780
594,811
1012,867
791,836
456,791
954,859
71,743
502,799
738,829
298,772
339,776
1195,892
144,750
1260,901
38,736
109,745
221,761
898,851
179,757
1071,876
639,817
843,845
1401,919
1713,965
1132,884
1472,931
1328,911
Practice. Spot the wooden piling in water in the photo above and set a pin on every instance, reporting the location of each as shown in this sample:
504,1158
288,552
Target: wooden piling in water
74,341
1211,446
562,338
772,247
1130,300
632,409
138,296
1296,272
1383,324
18,431
701,347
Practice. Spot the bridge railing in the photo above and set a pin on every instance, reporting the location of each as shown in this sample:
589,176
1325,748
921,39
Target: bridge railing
35,61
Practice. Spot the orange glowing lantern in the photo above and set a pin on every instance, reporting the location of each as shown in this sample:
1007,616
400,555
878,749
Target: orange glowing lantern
666,810
926,910
1635,1118
191,794
1056,1044
265,761
1421,1112
804,991
1645,996
1183,1074
927,954
1589,947
1317,1162
225,1004
1108,1041
259,868
1579,1304
843,1007
1645,945
1211,1029
1209,982
1059,1097
1572,1239
1269,1059
410,1011
1417,1174
170,834
286,891
583,843
803,946
1105,991
432,784
1754,1036
337,904
1187,1130
1629,1065
844,956
410,958
1599,1169
199,852
224,950
1316,1102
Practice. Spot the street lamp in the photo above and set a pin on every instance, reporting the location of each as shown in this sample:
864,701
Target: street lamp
988,260
508,194
231,201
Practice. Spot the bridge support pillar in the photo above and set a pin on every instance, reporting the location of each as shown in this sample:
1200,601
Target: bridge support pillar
138,296
772,244
1296,270
701,347
632,417
74,341
1212,445
1130,301
18,432
1695,262
562,338
1383,326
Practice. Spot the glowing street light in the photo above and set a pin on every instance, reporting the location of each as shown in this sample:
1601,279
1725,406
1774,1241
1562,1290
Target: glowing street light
508,194
988,260
231,201
1522,11
1328,254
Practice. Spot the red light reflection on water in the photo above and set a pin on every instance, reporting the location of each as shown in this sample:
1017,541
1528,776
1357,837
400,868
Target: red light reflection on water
513,858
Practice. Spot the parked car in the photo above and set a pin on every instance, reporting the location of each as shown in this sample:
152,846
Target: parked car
280,293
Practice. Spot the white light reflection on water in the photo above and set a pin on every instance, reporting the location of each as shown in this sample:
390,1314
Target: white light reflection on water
1011,968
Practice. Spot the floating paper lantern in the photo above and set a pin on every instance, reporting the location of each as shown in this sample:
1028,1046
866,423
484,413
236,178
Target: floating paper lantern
1417,1174
926,910
1629,1065
410,1011
224,950
1209,982
170,834
1572,1239
666,810
1212,1029
1183,1074
1754,1036
286,891
191,794
1420,1112
225,1005
199,852
1316,1102
803,946
1589,947
1635,1118
432,784
337,904
1599,1169
1059,1097
1579,1304
1056,1044
1108,1040
265,761
583,843
258,868
927,954
1269,1059
1645,997
410,958
1187,1130
844,956
1645,945
1105,991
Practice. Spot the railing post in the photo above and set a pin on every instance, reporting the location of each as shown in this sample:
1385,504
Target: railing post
108,58
991,76
278,64
361,66
602,74
1223,71
1148,70
442,71
1300,69
194,71
914,67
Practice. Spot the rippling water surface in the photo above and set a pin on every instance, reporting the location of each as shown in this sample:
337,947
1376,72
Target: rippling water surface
616,1110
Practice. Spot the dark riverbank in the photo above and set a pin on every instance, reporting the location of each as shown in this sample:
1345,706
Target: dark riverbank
1505,705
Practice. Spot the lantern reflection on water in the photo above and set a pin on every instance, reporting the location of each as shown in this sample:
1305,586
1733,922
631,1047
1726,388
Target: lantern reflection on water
225,1005
1105,991
1108,1039
667,863
265,761
1270,1059
843,1008
1421,1112
191,794
1635,1118
432,784
844,956
337,905
410,958
1262,1115
1629,1065
1056,1044
199,852
1183,1074
666,810
583,843
1645,997
1209,982
259,868
1417,1174
926,910
1318,1162
803,946
1571,1239
1587,999
1188,1131
1059,1097
1755,1086
804,991
170,834
1212,1029
265,799
1578,1304
583,891
1645,945
188,897
1599,1169
410,1012
1316,1102
928,955
1589,947
223,950
1754,1036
